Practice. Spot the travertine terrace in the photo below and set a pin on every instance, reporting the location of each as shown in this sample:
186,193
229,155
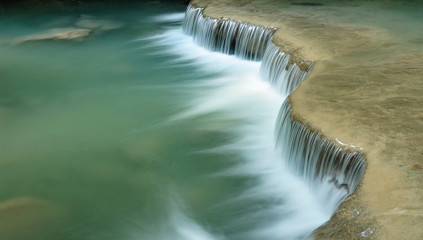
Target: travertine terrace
365,91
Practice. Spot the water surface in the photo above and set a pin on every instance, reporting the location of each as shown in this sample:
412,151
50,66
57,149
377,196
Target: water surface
137,133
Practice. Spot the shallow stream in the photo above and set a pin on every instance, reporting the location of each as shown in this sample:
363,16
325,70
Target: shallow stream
134,132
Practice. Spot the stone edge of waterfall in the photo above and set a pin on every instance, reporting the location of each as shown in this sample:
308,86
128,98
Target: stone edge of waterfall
228,36
322,159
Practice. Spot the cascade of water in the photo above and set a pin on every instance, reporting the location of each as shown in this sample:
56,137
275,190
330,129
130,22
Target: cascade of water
229,37
318,160
332,172
277,69
274,203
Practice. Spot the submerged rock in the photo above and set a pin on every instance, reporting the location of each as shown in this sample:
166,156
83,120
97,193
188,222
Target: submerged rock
56,34
85,26
89,22
24,217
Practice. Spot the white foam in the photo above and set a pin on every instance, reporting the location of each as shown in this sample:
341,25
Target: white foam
171,17
178,226
238,93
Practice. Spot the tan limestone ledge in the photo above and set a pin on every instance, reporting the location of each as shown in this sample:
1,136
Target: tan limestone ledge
365,90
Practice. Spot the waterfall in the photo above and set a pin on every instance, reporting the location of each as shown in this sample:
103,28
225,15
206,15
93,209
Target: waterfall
318,160
244,40
331,171
277,69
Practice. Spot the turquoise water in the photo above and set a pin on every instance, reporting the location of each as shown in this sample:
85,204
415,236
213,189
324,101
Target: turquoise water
136,133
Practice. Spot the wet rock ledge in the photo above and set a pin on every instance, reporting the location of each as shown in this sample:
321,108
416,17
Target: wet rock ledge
365,91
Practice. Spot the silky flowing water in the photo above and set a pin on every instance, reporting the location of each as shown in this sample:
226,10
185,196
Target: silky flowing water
138,133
